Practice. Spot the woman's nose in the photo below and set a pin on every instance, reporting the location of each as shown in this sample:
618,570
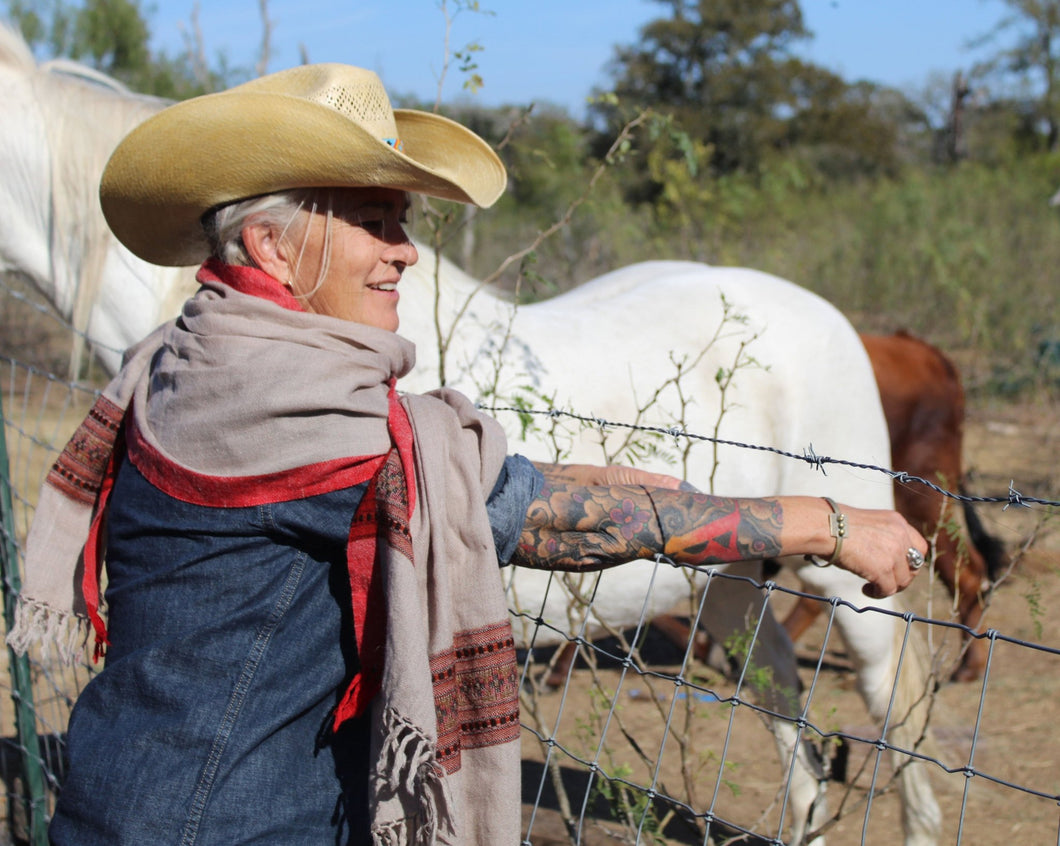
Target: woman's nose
403,253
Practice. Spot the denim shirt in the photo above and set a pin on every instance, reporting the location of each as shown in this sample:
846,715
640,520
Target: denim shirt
231,641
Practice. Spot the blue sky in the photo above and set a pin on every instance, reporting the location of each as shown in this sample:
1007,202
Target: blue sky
557,50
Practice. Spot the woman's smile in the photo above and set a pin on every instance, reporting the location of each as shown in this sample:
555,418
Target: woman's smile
351,269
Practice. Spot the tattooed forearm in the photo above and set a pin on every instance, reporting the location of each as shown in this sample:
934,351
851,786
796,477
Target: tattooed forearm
589,528
708,529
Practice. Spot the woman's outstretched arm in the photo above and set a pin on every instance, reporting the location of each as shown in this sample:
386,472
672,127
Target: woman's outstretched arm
574,525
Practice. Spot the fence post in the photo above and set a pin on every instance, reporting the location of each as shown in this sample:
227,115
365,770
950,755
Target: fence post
34,785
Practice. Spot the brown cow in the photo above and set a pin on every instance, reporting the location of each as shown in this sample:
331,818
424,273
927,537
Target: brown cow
923,401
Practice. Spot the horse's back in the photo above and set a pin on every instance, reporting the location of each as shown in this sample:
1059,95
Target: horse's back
608,348
800,375
755,293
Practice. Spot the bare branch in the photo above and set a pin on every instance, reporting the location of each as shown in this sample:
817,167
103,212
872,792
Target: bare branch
266,38
195,45
621,140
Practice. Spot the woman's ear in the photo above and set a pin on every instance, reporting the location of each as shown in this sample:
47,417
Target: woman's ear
265,249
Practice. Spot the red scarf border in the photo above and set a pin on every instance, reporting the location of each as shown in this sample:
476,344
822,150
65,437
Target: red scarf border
79,470
476,692
244,491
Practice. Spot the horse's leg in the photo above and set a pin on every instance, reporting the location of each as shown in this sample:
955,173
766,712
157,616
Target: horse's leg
808,795
560,667
704,648
673,628
874,644
802,615
678,632
732,608
921,815
730,613
964,574
964,571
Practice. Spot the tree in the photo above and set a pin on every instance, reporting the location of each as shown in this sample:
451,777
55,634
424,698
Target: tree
725,71
113,36
45,24
849,130
1035,56
721,67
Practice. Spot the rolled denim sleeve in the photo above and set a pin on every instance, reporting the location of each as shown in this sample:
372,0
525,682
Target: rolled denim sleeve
519,482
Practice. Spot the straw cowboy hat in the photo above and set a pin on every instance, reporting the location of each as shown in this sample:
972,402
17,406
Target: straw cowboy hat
326,125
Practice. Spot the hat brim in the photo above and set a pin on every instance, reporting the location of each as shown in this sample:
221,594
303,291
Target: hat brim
216,149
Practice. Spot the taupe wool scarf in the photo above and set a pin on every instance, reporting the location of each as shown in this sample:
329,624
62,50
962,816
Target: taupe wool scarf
245,384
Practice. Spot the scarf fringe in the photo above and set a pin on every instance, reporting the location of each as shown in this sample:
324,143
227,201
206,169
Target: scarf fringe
407,759
37,622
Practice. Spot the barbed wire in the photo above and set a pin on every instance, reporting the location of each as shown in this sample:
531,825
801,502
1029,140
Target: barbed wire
818,462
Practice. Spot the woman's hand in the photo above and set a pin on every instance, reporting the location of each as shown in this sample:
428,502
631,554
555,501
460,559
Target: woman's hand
876,547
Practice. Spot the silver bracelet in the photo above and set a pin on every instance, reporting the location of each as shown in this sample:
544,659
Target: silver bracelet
837,528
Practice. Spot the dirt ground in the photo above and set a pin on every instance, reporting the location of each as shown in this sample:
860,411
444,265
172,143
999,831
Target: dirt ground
1002,730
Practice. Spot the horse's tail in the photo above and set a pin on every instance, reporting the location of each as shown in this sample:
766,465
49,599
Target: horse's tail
909,730
991,548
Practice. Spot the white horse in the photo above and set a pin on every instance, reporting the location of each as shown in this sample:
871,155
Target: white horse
635,345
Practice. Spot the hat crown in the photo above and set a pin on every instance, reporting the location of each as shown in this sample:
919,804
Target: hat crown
354,93
366,103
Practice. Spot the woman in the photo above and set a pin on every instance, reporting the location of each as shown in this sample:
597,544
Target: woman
307,639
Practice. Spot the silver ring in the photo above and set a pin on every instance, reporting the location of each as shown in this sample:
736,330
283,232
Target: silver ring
915,559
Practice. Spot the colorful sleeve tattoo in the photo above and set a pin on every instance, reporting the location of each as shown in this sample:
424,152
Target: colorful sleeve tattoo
590,528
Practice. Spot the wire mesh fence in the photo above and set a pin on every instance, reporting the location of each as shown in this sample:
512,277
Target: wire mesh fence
646,730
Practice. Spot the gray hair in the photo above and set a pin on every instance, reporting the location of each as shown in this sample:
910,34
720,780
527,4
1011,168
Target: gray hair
224,225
